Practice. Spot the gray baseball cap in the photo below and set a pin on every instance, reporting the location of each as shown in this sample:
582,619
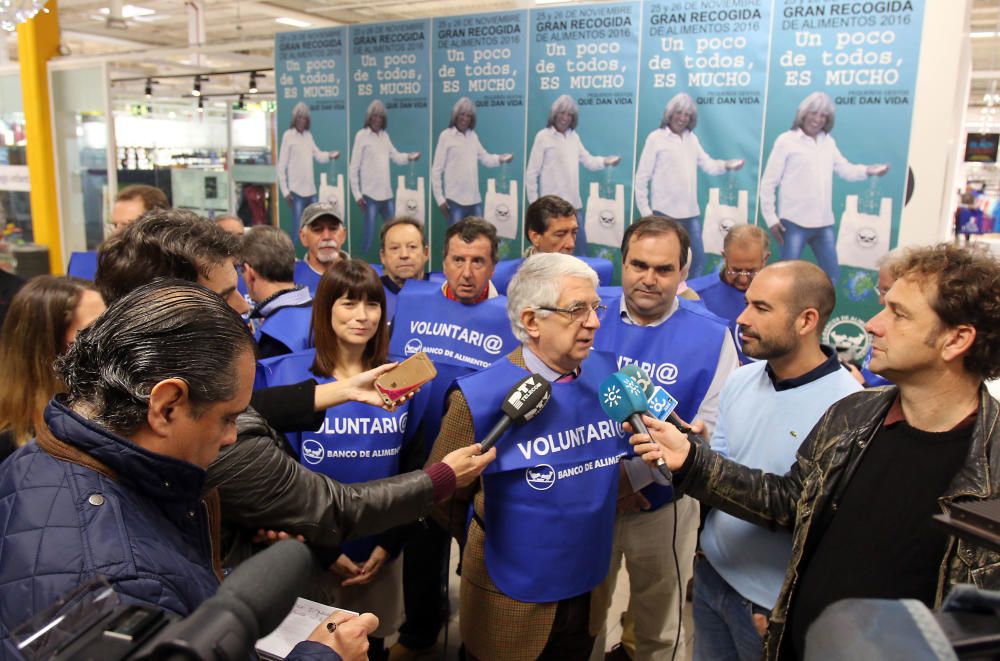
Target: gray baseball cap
319,210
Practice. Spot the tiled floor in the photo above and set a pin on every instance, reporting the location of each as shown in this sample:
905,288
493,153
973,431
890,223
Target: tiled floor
619,602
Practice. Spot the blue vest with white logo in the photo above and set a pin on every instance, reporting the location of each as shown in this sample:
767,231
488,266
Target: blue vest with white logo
356,443
304,275
724,301
83,265
288,325
459,339
506,268
681,355
550,495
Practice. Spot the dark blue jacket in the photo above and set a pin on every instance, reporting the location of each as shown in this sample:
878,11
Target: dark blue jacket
83,502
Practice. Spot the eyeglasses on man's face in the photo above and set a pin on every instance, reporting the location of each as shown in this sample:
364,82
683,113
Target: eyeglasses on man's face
579,313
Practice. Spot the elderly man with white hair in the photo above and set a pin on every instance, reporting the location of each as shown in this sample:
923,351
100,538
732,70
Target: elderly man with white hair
668,172
543,517
455,173
802,164
554,163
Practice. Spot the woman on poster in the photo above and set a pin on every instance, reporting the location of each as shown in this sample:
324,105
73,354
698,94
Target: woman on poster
555,159
802,164
455,173
298,150
369,169
670,160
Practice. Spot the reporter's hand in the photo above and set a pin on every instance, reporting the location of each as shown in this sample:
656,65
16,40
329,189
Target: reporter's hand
663,441
349,637
375,561
698,427
345,567
468,463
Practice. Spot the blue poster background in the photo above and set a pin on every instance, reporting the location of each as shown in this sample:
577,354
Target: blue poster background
863,56
311,68
589,53
483,57
718,58
390,62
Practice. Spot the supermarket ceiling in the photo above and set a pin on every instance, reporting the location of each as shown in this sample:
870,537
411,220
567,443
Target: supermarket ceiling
152,37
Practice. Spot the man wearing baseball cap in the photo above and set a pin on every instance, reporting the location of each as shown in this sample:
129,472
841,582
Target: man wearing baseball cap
322,233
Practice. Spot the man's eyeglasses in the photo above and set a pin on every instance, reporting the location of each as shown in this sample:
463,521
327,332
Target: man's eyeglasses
579,313
749,275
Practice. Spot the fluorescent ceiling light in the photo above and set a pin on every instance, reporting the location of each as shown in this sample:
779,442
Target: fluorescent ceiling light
294,22
982,35
551,2
130,11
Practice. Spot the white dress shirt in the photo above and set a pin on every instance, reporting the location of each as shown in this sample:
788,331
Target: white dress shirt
369,168
671,161
803,168
556,157
295,168
455,173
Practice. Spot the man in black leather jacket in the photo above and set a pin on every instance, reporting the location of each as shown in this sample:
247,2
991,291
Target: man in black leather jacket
867,479
261,486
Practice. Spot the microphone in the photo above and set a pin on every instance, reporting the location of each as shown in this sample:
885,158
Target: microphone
624,400
524,401
249,604
661,403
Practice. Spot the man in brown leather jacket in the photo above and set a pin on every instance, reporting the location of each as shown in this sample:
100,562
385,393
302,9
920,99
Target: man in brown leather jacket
880,463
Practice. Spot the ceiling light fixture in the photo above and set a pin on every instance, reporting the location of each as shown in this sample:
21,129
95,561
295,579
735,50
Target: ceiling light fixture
293,22
196,91
201,105
149,88
253,82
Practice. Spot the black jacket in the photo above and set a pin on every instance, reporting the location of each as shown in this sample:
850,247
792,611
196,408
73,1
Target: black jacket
816,481
262,486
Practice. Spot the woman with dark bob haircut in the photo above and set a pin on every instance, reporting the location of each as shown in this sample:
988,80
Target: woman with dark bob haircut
357,442
42,322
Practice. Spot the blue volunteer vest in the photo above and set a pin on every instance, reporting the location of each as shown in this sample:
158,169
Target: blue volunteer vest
550,494
680,355
724,301
506,268
356,443
304,275
83,265
459,339
288,325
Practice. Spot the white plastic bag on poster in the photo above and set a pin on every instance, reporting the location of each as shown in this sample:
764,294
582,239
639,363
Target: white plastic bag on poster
409,201
720,218
605,218
864,237
332,195
501,209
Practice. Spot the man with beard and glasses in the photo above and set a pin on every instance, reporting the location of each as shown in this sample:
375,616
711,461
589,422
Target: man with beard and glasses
765,410
688,351
322,233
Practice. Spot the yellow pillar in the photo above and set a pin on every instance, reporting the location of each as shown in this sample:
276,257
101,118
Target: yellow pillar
37,42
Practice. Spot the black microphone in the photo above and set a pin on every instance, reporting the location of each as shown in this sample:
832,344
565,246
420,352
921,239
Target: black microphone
249,604
524,401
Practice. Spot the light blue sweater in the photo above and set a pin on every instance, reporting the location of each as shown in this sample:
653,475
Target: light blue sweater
761,427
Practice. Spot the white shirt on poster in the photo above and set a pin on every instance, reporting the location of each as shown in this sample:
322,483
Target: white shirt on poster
369,168
669,162
554,166
803,169
455,172
295,168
